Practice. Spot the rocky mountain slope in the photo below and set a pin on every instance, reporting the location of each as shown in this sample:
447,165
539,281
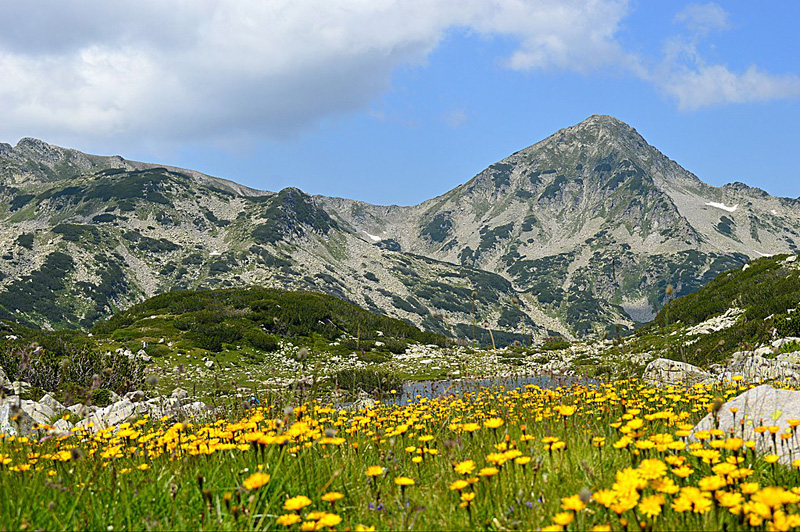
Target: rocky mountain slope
593,223
579,233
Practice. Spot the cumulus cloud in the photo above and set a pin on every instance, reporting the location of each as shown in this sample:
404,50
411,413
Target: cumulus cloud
199,69
709,85
568,35
174,71
685,75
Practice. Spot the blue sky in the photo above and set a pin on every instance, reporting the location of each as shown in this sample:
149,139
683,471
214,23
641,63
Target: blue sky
398,101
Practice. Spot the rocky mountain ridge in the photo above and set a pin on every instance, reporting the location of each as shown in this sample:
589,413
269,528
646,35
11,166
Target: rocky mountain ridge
578,234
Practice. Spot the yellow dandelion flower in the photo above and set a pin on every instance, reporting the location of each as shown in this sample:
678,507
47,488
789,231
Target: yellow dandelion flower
296,503
288,519
493,423
255,481
465,468
683,471
328,520
459,485
563,518
488,471
573,503
652,468
651,506
332,497
374,471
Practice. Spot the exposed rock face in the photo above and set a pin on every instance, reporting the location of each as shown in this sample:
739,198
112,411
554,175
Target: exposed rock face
28,414
573,235
135,396
180,394
25,417
760,406
764,365
5,384
49,401
671,372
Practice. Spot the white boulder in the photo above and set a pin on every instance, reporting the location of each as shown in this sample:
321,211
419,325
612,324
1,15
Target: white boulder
760,406
672,372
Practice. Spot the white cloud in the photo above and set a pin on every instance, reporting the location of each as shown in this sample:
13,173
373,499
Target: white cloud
684,74
177,70
172,71
708,85
568,35
702,19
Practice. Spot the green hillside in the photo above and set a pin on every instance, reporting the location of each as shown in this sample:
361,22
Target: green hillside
767,294
211,341
212,320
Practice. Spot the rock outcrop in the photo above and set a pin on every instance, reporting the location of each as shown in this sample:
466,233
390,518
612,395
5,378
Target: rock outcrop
757,407
20,417
671,372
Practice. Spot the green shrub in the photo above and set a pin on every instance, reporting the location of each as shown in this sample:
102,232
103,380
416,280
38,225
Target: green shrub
100,397
261,340
158,350
396,347
67,360
373,357
787,326
551,345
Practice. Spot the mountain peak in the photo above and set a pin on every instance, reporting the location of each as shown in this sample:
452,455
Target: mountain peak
606,124
603,120
32,142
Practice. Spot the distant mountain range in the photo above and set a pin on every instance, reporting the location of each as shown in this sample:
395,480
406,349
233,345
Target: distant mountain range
578,234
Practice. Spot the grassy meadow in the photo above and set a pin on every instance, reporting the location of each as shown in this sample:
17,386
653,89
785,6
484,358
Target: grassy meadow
614,456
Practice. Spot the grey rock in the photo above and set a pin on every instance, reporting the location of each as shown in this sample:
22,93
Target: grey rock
29,415
761,351
180,394
13,420
113,414
81,410
4,382
119,413
671,372
135,396
756,368
62,425
195,409
762,405
50,401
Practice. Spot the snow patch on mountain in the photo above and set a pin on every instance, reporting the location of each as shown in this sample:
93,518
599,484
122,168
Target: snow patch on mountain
722,206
